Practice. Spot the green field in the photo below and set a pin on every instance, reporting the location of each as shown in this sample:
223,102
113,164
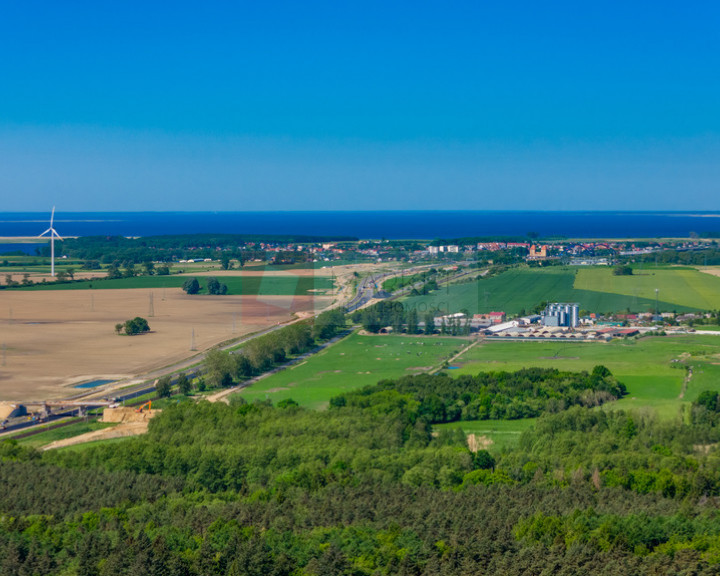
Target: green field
686,287
354,362
75,429
595,289
18,265
644,366
237,285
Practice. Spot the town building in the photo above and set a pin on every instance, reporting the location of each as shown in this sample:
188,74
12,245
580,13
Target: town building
537,252
491,317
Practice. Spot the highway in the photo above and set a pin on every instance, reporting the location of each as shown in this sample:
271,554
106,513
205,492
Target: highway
365,291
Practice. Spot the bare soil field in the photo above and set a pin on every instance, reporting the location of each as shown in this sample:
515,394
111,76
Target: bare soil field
53,340
714,271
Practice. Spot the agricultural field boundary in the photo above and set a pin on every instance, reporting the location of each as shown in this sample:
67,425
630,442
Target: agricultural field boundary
521,289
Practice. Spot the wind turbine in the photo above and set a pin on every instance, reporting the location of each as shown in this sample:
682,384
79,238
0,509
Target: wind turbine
53,235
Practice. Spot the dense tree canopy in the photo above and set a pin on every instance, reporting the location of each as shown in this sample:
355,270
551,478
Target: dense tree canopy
191,286
135,326
215,287
492,395
367,488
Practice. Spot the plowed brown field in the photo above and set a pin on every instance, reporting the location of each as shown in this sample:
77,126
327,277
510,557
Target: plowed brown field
52,340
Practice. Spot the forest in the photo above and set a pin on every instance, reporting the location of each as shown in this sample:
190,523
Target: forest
706,257
526,393
108,249
367,487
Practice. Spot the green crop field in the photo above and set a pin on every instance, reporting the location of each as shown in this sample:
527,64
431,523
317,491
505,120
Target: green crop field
595,289
645,366
237,285
18,265
686,287
354,362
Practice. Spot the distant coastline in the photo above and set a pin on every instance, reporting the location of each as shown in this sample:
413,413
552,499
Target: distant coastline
422,225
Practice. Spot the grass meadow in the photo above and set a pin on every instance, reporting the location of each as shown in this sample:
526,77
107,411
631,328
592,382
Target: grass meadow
645,366
69,431
351,363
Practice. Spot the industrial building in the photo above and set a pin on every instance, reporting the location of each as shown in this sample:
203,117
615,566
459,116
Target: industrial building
560,314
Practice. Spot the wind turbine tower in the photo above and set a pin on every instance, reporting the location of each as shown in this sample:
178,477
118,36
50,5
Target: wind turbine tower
53,235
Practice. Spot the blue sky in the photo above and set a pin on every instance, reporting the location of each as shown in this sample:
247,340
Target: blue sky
366,105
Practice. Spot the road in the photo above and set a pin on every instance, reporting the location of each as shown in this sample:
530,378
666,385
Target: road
366,289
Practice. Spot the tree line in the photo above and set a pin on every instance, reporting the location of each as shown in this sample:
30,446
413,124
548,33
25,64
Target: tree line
108,249
224,368
400,318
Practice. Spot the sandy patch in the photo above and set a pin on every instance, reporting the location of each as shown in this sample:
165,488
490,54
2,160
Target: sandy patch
52,340
476,443
712,271
120,431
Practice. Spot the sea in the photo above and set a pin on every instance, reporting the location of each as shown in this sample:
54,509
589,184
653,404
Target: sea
425,225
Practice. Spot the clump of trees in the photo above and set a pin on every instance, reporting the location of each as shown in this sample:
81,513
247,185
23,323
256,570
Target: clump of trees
384,313
623,270
163,387
395,315
132,327
192,286
183,383
328,324
503,395
215,287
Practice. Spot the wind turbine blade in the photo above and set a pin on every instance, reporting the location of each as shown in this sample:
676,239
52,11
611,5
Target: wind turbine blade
56,234
46,231
52,217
